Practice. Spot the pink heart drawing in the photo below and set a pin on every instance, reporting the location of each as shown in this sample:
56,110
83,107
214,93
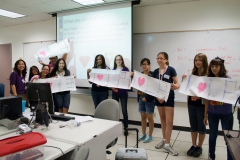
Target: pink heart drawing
84,60
141,81
100,77
43,53
201,87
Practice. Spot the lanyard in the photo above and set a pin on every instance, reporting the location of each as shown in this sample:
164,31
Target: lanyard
161,75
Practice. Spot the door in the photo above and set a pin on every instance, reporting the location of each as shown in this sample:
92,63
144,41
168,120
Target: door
5,66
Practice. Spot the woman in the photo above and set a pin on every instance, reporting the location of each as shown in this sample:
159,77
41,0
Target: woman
121,94
166,109
17,79
99,93
33,71
146,105
44,73
196,108
217,111
62,98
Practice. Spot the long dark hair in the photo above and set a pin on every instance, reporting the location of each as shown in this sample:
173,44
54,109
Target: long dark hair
115,64
165,55
222,72
55,69
30,72
48,75
24,72
103,66
204,60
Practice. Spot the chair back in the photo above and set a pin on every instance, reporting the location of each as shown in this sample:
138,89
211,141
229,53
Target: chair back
108,109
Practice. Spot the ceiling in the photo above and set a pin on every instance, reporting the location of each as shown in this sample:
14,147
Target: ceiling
38,10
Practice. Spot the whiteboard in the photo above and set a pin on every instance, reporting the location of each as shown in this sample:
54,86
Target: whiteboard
31,48
183,46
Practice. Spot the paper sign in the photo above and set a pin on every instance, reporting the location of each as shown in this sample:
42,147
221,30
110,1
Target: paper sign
151,86
212,88
111,78
52,50
59,84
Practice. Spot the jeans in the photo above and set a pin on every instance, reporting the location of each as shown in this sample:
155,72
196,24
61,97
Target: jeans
62,100
123,98
98,97
227,124
196,116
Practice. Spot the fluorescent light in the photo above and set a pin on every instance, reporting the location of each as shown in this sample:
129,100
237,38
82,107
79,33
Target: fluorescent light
10,14
89,2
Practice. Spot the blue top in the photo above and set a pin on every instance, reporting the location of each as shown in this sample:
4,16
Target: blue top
166,77
121,91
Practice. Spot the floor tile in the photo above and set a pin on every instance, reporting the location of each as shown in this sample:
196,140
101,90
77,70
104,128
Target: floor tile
151,145
131,140
186,137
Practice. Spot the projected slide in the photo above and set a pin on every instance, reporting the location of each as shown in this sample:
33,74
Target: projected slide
106,31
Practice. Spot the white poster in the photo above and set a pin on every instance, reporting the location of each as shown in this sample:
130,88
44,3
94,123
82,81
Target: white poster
111,78
52,50
59,84
151,86
212,88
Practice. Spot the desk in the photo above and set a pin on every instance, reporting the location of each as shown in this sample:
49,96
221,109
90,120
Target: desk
233,144
49,152
4,131
96,135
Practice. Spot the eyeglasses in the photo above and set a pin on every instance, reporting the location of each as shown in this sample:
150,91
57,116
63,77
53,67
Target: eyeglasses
160,59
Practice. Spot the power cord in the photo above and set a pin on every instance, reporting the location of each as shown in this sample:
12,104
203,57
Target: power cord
57,148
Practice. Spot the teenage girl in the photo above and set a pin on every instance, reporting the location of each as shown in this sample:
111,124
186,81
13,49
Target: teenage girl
217,111
166,109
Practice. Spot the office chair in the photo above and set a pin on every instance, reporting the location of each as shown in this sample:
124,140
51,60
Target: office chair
2,90
82,153
108,109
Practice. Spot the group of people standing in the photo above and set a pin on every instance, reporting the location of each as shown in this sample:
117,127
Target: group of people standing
201,111
56,68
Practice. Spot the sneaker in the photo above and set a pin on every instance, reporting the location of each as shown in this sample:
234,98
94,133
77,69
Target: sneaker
191,150
197,152
142,137
148,139
170,150
160,145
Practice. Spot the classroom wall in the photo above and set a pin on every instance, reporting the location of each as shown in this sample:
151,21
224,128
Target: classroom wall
195,15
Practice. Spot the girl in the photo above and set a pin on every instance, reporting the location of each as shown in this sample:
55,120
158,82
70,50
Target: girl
17,79
99,93
33,71
217,111
44,73
196,108
146,105
62,98
121,94
166,109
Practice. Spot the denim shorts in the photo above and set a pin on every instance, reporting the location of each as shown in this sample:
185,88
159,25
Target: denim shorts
147,107
196,116
62,100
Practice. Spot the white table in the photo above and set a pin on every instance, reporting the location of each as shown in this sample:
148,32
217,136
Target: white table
96,135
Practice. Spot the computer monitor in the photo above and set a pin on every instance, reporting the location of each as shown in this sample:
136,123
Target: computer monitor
11,107
40,93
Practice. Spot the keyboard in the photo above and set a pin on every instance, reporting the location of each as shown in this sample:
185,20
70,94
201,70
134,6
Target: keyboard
61,118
